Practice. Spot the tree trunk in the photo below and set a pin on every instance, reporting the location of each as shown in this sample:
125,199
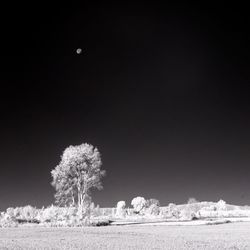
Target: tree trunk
73,199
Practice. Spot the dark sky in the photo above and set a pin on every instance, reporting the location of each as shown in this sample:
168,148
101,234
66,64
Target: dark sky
162,91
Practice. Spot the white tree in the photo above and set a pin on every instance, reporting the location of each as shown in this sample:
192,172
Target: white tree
152,207
138,204
78,172
192,200
173,210
221,205
120,209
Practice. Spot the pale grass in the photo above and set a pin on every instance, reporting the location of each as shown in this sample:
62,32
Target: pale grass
224,236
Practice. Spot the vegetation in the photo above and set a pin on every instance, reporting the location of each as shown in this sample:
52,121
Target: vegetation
78,172
68,216
120,209
139,204
224,236
192,200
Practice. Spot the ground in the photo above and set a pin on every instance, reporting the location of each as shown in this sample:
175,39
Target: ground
223,236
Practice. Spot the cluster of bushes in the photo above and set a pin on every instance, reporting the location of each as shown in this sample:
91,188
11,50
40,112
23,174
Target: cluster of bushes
95,216
221,209
200,210
190,211
141,206
151,208
7,221
172,211
52,216
14,216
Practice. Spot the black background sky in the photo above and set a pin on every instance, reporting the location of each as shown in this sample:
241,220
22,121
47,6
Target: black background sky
162,91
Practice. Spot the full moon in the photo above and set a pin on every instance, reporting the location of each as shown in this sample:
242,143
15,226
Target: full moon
79,51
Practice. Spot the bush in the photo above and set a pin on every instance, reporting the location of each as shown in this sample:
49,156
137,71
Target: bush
11,212
152,210
99,222
68,217
129,211
190,212
8,221
23,214
171,211
152,207
49,214
106,211
120,209
152,202
164,212
96,211
139,204
54,216
221,205
192,200
27,213
72,222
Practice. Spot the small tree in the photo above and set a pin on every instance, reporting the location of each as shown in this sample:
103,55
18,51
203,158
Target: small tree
138,204
120,209
78,172
152,207
152,202
172,211
192,200
221,205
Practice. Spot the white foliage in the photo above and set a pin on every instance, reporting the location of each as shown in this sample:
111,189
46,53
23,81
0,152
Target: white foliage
49,214
192,200
173,210
120,209
78,172
121,205
205,213
221,205
153,210
138,204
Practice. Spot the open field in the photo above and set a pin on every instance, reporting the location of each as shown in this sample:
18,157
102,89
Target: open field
160,222
224,236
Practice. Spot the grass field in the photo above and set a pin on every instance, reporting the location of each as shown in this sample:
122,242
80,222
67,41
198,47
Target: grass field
224,236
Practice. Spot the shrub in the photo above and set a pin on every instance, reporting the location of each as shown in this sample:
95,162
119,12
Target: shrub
52,214
151,202
17,212
192,200
99,222
173,211
27,213
169,211
152,207
129,211
120,209
96,211
164,212
138,204
190,212
11,212
106,211
72,222
221,205
8,221
22,214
